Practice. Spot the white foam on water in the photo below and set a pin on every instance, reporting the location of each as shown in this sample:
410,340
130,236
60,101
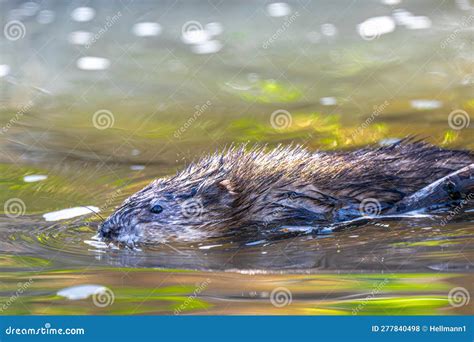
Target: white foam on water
29,8
402,16
70,213
4,70
96,244
34,178
214,29
329,30
45,17
375,27
195,36
83,14
80,37
328,101
92,63
418,23
423,104
81,291
391,2
278,9
211,46
146,29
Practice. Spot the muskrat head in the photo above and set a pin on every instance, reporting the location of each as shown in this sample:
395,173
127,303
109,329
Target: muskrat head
173,208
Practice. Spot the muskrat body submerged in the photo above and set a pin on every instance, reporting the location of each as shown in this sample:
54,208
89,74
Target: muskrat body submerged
242,190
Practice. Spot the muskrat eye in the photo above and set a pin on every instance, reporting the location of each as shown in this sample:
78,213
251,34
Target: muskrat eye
156,209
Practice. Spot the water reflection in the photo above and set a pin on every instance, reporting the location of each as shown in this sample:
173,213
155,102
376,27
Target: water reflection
96,100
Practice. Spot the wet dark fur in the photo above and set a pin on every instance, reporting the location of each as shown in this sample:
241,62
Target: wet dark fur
261,190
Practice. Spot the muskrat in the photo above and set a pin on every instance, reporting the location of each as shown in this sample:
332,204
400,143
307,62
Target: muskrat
251,189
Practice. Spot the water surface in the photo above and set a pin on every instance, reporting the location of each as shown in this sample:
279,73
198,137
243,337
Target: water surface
96,102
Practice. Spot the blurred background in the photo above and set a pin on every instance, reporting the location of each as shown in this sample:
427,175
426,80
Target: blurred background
97,98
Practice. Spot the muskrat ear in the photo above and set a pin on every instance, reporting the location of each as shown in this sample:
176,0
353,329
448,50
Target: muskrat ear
222,192
228,186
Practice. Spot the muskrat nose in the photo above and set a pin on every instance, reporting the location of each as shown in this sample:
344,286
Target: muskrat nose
107,231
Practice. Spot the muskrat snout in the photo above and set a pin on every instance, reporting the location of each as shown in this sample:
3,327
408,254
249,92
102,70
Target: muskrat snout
106,230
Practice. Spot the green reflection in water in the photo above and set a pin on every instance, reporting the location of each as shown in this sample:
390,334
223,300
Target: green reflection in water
203,292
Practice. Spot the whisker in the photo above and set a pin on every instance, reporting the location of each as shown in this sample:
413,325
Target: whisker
96,213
